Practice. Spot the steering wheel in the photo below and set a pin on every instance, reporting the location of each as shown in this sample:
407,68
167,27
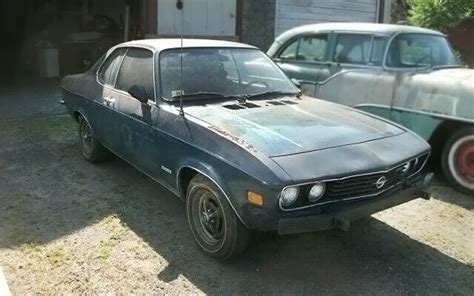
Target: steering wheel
259,82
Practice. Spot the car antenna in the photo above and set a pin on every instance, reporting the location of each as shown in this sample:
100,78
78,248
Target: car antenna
179,5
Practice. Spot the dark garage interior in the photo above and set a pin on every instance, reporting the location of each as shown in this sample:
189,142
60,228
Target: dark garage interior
47,39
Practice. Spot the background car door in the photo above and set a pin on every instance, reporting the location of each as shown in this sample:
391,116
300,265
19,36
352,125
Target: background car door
303,58
134,121
349,51
367,86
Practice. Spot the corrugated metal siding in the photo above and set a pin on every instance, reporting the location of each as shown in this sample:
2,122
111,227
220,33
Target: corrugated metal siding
293,13
201,18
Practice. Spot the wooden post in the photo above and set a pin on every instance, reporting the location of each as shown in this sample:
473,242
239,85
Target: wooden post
85,11
126,23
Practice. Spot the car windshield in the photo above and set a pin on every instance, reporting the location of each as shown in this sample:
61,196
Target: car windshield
220,72
421,50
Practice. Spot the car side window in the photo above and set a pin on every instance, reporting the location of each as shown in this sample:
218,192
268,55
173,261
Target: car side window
352,49
289,53
312,48
307,48
137,69
108,71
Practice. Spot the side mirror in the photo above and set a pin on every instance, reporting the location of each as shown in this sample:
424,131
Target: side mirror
296,82
139,93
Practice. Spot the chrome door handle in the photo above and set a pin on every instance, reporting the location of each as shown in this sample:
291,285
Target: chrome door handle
109,101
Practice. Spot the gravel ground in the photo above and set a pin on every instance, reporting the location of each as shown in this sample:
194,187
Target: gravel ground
67,226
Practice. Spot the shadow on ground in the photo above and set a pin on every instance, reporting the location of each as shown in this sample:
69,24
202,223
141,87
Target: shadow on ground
442,191
48,191
27,99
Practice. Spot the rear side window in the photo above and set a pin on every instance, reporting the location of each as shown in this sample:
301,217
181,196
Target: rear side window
136,69
289,53
307,48
312,48
108,71
352,49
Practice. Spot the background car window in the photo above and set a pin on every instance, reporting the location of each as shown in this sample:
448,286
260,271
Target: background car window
137,69
230,67
352,49
312,48
108,71
420,50
289,53
378,46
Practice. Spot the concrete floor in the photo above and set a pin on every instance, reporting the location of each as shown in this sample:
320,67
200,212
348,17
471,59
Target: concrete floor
39,98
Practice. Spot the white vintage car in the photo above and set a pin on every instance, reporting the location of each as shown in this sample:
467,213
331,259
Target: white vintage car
407,74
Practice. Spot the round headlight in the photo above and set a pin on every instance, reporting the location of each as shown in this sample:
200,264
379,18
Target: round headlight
289,196
316,192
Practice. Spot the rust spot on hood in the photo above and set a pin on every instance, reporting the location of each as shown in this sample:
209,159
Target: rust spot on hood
233,138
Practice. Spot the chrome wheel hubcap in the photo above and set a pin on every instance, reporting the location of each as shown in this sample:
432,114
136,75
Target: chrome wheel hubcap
461,161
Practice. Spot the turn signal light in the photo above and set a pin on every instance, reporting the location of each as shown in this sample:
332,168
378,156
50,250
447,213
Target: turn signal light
255,198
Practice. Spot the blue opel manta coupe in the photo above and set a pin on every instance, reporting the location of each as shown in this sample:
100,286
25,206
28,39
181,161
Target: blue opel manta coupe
219,125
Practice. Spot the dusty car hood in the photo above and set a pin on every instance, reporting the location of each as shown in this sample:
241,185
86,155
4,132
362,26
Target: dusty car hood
359,158
458,74
295,126
448,91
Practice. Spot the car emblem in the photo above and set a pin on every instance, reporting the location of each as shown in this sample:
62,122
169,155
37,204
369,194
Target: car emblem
381,182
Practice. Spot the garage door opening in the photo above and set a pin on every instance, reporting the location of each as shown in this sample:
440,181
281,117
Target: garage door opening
53,38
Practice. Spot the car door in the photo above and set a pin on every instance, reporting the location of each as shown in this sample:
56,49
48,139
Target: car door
368,85
106,76
134,121
348,51
303,58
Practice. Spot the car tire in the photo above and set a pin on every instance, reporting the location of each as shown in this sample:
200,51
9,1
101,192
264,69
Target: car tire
216,228
457,160
91,148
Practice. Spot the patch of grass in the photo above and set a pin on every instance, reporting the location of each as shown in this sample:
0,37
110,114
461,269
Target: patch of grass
115,230
57,257
53,127
30,247
452,212
43,257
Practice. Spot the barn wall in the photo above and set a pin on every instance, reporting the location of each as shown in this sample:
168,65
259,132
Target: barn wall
258,22
292,13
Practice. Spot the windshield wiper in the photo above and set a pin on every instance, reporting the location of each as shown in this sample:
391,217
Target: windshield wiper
201,94
445,67
270,93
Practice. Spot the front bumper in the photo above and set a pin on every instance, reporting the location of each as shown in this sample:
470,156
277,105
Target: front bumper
342,217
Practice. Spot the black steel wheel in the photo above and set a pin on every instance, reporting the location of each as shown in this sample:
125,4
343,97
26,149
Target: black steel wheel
91,148
213,223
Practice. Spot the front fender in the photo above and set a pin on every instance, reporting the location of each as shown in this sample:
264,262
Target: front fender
234,185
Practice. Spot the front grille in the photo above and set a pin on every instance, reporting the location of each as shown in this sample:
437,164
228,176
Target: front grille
363,185
360,186
366,185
